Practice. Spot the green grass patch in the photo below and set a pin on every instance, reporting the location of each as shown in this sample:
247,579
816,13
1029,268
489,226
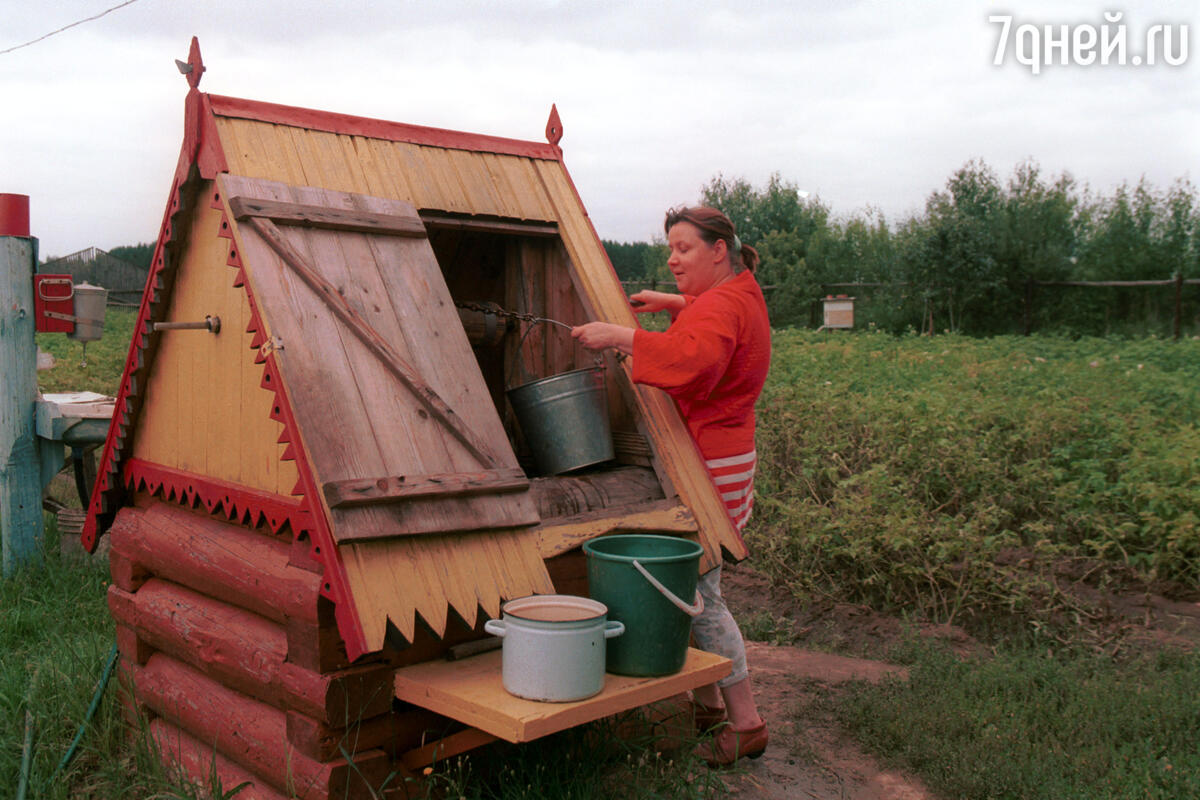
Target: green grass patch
96,367
56,636
942,478
1029,725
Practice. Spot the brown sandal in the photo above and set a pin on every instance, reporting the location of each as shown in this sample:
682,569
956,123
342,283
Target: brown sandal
728,745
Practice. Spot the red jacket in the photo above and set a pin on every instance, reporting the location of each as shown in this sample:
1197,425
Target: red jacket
713,360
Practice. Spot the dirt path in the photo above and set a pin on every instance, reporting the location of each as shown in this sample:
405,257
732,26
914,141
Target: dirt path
810,757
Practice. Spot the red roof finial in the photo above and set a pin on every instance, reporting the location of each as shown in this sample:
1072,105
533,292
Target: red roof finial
554,126
194,67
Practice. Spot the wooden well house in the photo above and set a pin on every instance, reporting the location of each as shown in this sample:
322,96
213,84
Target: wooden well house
315,503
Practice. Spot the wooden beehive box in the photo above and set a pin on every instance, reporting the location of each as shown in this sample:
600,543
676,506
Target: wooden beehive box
838,311
331,487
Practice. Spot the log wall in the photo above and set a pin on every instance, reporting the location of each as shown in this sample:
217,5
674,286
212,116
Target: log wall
234,657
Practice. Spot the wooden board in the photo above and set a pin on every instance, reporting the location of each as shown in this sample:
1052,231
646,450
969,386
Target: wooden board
471,691
358,419
557,536
208,411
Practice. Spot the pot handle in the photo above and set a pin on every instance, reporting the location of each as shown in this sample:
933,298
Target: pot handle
496,627
613,628
693,610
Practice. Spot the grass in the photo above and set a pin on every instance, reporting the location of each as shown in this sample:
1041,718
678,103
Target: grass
622,757
939,478
56,635
1031,725
972,481
96,367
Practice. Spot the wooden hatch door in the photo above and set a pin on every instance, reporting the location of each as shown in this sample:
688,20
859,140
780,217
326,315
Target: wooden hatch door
396,420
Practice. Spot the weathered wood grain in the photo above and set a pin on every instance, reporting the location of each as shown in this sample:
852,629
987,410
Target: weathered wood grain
471,690
398,294
314,216
664,516
248,653
216,558
368,491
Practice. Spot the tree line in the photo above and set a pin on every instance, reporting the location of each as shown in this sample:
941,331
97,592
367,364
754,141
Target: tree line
970,259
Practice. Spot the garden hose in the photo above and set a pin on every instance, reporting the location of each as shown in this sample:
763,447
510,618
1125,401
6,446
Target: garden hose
26,754
66,759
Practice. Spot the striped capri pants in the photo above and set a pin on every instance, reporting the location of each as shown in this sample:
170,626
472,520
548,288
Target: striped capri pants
715,629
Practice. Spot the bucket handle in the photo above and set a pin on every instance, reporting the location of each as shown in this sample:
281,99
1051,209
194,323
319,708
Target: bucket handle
498,627
533,323
694,610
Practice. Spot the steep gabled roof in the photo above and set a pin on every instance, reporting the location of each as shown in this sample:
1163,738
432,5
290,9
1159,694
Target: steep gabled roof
236,148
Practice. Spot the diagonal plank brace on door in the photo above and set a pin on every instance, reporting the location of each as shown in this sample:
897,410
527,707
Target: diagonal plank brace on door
369,337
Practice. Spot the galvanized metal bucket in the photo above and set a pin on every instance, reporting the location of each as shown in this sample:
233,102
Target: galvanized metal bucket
565,420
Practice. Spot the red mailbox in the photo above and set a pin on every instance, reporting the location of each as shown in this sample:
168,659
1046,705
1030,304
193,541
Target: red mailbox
54,303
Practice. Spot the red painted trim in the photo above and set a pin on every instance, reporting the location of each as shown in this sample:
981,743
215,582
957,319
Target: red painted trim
237,503
106,494
335,583
378,129
211,156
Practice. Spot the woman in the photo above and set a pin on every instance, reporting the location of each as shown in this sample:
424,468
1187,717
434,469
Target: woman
713,361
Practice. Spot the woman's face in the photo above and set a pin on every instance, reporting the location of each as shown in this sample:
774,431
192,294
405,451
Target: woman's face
697,265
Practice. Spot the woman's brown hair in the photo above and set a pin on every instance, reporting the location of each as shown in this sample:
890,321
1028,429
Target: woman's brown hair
714,225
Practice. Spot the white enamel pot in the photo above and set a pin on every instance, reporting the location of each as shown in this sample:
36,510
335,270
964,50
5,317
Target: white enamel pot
554,646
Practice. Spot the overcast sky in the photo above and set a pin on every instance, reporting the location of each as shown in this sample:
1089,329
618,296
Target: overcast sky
860,103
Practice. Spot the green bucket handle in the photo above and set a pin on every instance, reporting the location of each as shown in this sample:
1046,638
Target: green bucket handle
693,610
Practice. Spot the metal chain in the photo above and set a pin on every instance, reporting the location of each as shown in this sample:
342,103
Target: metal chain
533,319
496,310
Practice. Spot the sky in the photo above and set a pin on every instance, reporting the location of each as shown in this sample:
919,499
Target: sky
865,105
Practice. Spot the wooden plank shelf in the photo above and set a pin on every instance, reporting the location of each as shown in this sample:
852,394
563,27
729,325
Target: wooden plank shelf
471,691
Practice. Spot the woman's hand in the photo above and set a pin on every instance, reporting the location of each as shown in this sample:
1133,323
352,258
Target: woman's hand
647,302
603,335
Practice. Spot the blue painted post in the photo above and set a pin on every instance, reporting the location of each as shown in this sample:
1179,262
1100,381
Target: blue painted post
20,468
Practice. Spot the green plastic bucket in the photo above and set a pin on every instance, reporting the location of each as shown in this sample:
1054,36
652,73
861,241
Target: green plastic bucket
565,420
646,582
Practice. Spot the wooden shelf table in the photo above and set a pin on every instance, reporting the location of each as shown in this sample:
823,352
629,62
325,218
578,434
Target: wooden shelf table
471,691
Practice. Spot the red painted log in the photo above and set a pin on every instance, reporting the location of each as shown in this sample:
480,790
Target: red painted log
251,733
183,755
125,573
217,558
131,646
248,653
318,647
325,742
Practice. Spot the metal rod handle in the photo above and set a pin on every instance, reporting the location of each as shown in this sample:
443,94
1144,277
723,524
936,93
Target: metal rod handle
209,324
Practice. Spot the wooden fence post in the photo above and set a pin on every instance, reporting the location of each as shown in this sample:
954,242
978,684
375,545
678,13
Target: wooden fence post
1028,315
20,470
1178,304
